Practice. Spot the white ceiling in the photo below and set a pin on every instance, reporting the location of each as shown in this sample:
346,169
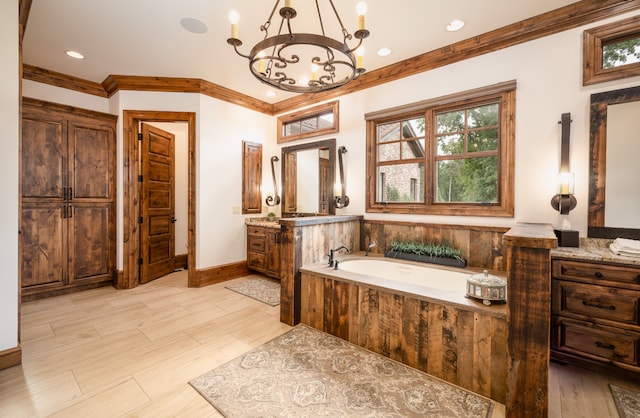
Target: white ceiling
145,38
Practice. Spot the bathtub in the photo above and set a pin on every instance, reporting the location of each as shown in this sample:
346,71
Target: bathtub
420,275
411,313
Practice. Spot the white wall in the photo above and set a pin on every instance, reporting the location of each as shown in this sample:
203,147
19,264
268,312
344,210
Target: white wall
221,232
9,140
549,82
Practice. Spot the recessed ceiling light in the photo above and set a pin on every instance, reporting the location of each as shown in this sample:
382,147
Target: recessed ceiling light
455,24
74,54
193,25
271,93
383,52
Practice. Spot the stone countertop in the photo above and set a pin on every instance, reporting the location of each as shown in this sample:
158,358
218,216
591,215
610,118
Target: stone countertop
264,222
594,249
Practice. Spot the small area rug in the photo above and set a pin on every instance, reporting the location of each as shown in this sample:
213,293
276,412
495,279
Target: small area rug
309,373
265,290
627,401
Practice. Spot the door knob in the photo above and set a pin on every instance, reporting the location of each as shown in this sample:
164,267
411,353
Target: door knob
173,220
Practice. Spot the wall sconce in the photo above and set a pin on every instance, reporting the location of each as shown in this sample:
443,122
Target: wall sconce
342,200
564,201
271,200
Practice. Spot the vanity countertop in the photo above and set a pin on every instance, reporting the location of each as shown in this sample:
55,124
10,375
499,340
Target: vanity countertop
264,222
594,249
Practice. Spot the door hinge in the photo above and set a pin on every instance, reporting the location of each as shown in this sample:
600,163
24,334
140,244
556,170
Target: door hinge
140,261
140,178
140,219
139,137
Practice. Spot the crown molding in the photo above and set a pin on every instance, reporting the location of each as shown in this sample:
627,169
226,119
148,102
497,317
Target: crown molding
558,20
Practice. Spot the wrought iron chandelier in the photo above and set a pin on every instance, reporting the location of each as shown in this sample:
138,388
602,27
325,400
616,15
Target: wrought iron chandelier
283,60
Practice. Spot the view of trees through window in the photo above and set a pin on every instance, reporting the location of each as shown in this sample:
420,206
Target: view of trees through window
466,157
621,52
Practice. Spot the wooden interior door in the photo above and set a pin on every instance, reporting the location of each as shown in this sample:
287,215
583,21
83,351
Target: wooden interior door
157,203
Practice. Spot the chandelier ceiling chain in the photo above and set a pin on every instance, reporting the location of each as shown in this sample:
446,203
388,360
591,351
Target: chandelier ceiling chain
291,61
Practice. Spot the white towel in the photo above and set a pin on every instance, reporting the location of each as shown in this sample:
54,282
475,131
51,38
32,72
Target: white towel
626,247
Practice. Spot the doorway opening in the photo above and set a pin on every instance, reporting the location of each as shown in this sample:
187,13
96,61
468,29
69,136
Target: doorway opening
133,249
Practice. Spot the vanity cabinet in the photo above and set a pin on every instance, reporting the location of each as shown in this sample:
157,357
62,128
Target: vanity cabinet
595,320
263,250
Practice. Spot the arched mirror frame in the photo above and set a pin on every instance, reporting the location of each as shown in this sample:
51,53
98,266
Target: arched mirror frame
598,163
330,144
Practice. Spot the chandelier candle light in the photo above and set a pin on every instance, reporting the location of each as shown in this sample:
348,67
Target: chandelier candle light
326,62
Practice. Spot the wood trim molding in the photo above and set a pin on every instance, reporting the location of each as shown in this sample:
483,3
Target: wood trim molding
53,78
562,19
11,357
114,83
23,13
131,202
221,273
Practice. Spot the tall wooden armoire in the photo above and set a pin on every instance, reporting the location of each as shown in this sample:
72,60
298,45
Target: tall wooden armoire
67,185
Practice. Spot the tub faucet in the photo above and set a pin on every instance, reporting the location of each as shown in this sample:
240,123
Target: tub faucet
370,246
342,247
333,262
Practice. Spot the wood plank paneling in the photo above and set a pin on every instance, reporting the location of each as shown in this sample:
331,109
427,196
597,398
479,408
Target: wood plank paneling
486,242
466,348
528,259
307,241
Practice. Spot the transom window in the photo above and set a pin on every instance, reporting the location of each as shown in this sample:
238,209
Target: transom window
452,155
318,120
612,51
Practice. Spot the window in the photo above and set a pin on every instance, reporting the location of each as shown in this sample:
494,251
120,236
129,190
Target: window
612,52
448,156
318,120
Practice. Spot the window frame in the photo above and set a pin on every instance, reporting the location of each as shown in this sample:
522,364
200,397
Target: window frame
316,111
594,41
502,93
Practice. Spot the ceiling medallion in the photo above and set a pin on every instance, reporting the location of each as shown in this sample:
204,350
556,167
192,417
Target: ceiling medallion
304,62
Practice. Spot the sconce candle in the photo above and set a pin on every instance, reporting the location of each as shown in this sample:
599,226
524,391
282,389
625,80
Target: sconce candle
566,183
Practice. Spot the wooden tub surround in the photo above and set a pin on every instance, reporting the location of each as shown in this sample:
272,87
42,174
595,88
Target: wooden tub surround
501,352
447,335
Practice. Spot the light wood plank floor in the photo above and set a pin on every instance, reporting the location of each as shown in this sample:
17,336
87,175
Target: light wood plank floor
111,353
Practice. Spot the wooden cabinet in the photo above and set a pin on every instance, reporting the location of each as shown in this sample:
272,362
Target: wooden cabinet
596,316
263,250
67,227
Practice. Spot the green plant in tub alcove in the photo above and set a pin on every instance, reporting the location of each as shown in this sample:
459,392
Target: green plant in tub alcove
424,250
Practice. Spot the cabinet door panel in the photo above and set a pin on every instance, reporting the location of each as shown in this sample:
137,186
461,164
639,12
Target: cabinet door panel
43,158
92,159
43,252
90,241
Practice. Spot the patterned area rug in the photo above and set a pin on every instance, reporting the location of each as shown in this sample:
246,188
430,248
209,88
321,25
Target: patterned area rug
308,373
627,401
264,290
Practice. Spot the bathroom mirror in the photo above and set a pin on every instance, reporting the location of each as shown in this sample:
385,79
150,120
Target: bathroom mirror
614,188
308,178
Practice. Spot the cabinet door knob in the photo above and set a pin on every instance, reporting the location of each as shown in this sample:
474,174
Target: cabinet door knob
173,220
598,275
